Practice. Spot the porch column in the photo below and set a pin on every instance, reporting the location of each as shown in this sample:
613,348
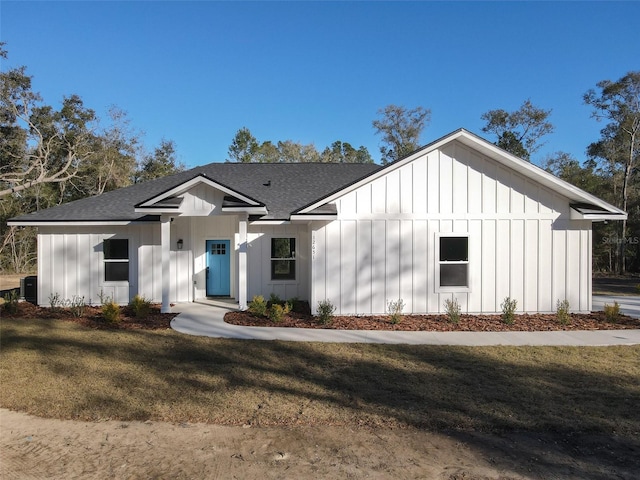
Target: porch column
242,262
165,247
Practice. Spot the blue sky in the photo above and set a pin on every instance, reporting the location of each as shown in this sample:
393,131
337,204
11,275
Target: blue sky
196,72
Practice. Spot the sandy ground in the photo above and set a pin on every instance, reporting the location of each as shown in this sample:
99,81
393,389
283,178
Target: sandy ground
36,448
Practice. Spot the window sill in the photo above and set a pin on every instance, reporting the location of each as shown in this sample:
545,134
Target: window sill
453,289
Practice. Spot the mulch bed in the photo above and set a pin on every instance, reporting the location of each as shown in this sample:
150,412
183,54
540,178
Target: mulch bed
440,323
92,317
436,323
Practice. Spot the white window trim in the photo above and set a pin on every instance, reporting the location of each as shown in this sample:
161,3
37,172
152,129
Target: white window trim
280,281
116,260
451,288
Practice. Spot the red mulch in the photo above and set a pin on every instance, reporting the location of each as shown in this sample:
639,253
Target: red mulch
92,317
437,323
440,323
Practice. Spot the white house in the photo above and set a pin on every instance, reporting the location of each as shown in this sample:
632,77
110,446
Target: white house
459,218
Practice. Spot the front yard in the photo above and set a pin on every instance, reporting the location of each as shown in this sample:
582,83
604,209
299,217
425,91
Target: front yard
61,369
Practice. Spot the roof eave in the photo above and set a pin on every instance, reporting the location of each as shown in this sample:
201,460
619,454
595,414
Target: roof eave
185,186
308,217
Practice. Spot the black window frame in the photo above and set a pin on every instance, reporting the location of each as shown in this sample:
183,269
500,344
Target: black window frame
283,267
116,259
453,262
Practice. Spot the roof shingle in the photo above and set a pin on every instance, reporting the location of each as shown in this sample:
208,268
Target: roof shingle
282,187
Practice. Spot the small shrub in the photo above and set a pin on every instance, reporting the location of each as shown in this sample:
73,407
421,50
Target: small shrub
77,306
275,299
612,312
293,303
277,312
325,311
258,305
395,310
452,309
140,306
509,306
562,312
11,301
55,302
111,311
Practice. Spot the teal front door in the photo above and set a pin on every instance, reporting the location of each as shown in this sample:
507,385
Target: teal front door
218,268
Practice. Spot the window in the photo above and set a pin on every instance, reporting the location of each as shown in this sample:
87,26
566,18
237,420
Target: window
218,248
454,261
116,260
283,263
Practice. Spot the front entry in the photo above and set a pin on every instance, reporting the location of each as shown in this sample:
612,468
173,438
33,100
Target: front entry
218,268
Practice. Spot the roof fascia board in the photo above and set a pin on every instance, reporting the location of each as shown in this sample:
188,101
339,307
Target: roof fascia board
598,217
534,172
492,151
183,187
308,216
270,222
158,210
251,210
381,172
77,223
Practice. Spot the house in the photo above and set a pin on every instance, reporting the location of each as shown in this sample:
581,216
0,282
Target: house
459,218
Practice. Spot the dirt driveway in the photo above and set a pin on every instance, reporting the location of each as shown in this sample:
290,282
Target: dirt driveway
35,448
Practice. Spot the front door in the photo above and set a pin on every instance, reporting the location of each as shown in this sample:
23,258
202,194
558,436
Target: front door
218,268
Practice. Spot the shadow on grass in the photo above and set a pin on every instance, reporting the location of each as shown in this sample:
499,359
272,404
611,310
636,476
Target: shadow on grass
557,393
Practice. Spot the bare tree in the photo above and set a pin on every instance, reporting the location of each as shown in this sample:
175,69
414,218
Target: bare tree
619,104
39,145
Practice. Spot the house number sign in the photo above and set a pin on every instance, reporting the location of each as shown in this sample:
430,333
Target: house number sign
313,246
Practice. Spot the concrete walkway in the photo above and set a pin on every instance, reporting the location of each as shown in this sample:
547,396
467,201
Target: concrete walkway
208,320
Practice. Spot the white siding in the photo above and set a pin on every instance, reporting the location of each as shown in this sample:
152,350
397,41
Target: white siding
259,262
381,248
521,242
71,264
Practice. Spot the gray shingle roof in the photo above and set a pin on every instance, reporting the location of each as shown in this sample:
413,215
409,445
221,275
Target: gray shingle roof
292,186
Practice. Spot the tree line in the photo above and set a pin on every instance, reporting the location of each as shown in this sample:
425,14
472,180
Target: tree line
49,156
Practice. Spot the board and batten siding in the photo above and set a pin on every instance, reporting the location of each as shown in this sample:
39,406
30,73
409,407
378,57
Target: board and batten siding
71,264
382,247
259,280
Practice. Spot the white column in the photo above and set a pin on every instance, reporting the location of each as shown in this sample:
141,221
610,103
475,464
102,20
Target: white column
165,247
242,262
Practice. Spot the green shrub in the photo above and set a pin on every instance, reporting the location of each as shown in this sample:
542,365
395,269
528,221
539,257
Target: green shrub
275,299
509,306
140,306
612,312
77,306
111,311
11,301
325,311
452,309
277,312
258,305
394,308
294,304
562,312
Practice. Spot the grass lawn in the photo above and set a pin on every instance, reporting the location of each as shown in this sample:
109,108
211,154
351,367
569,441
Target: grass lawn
60,369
